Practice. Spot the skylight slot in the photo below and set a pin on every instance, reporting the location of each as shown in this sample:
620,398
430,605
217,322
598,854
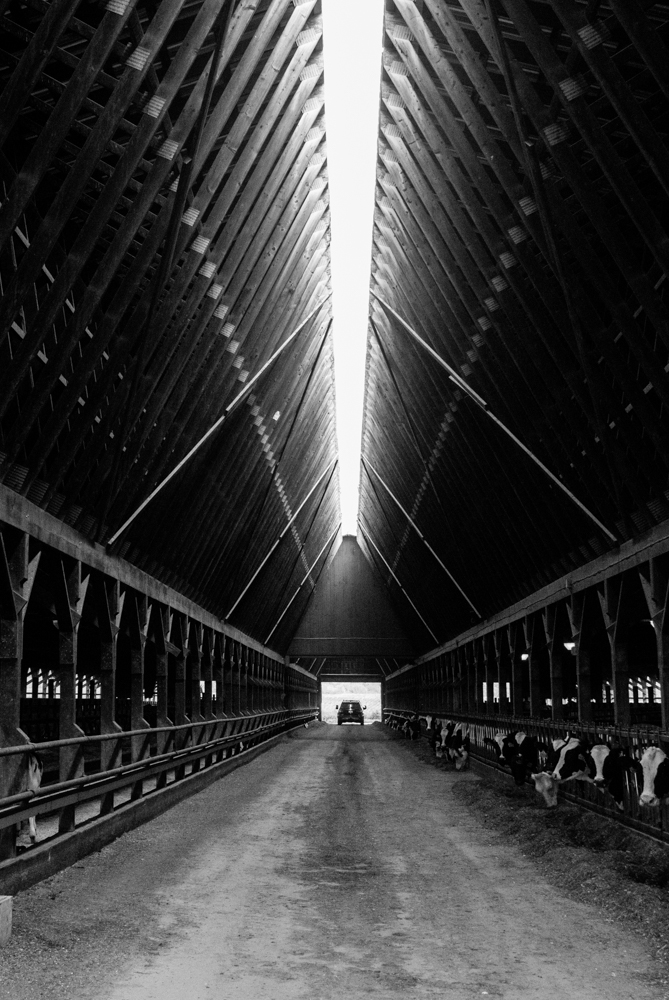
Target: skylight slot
352,37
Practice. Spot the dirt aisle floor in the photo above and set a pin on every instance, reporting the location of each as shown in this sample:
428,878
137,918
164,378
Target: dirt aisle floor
336,865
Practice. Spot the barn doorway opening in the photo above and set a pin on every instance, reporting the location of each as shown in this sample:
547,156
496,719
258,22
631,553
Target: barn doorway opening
366,692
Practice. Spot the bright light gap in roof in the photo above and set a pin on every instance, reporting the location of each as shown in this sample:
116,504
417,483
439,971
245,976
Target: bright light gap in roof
352,37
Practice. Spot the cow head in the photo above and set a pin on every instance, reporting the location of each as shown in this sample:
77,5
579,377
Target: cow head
571,762
546,785
655,766
599,754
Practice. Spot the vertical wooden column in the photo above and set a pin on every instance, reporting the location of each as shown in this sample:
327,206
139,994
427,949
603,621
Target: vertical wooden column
17,574
69,592
264,690
136,608
178,648
243,679
556,653
194,647
218,673
253,682
448,690
470,667
654,578
108,605
458,687
610,594
236,668
515,638
207,672
576,612
497,639
159,624
530,630
490,662
475,699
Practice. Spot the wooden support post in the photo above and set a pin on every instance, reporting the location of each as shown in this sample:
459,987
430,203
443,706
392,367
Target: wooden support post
610,598
17,574
234,676
194,648
178,648
109,606
500,676
654,578
160,625
519,704
459,681
138,621
490,672
69,592
218,673
530,627
576,612
207,672
556,653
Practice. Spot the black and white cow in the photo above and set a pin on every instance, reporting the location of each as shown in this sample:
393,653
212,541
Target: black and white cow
608,767
459,748
524,754
545,782
655,767
497,743
434,734
447,728
412,728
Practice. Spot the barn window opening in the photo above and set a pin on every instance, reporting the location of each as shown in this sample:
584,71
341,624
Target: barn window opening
366,692
352,38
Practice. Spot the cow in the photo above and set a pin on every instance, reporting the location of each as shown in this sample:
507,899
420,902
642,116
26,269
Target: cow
447,728
498,744
546,785
566,762
655,767
434,736
524,755
460,743
412,728
608,767
29,779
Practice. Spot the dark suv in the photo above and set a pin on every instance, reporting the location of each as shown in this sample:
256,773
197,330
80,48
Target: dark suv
350,711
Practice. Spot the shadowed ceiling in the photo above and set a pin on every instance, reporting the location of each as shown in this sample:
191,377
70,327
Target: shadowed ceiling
164,231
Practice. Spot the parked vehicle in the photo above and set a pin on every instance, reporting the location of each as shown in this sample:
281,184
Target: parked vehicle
350,711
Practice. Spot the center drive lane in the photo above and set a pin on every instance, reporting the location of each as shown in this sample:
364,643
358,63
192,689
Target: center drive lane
336,865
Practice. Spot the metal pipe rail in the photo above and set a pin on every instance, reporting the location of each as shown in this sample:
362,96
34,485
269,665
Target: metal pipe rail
99,784
122,734
653,821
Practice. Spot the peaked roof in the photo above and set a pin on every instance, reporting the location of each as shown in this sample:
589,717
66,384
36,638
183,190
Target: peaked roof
164,230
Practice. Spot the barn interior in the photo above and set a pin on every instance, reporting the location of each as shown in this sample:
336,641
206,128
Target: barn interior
173,549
